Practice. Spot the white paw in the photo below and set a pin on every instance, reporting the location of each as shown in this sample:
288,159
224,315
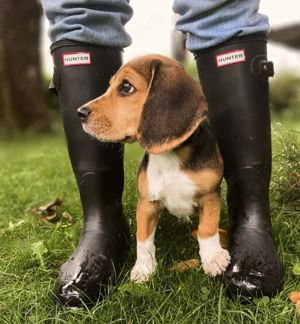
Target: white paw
142,272
217,263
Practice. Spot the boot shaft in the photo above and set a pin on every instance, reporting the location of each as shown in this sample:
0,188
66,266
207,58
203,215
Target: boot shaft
82,73
234,78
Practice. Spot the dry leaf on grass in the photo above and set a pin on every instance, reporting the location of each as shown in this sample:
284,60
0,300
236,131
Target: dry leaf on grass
49,218
296,269
48,207
185,265
68,217
49,214
222,233
294,297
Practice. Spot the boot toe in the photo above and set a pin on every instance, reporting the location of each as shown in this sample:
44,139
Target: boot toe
84,291
84,283
79,296
71,299
252,284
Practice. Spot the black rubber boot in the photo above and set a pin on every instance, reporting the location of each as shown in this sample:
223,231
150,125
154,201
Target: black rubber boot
234,78
81,73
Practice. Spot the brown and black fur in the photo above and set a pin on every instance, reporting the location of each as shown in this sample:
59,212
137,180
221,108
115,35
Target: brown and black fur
166,111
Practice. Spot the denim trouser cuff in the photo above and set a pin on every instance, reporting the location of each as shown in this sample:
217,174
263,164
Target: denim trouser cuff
98,22
208,23
101,22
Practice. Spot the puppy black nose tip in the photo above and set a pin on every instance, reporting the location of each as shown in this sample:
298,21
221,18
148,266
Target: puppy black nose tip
83,112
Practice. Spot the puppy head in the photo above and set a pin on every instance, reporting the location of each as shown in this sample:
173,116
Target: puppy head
150,99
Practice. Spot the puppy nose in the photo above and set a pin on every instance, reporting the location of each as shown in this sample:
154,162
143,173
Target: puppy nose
83,113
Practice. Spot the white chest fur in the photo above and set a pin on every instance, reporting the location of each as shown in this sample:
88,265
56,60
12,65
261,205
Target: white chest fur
168,184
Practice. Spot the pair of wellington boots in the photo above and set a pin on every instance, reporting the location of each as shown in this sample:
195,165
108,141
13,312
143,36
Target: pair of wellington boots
234,77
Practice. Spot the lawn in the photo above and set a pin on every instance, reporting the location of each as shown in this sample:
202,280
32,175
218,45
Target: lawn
35,170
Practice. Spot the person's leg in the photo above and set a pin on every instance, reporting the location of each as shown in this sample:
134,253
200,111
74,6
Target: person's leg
208,23
98,22
88,37
228,39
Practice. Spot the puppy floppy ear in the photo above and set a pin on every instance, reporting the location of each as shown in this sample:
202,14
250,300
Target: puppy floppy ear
174,108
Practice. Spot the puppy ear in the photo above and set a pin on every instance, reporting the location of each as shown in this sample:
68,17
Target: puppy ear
174,108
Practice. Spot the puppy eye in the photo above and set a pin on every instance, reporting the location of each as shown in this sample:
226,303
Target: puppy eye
126,88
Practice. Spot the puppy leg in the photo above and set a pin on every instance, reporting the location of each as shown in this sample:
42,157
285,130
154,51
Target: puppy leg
147,217
213,257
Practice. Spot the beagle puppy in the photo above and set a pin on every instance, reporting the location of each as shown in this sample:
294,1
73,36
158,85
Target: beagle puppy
153,100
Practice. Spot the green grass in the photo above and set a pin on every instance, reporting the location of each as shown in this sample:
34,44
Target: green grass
35,170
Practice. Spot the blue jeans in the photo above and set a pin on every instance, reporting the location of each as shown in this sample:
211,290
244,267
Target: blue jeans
211,22
206,22
99,22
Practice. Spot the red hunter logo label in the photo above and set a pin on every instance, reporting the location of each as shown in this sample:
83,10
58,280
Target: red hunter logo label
76,58
230,57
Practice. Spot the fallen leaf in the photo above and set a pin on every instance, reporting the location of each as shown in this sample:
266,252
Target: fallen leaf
264,301
222,233
68,217
50,218
48,207
39,249
296,269
294,297
185,265
137,290
49,214
12,226
204,293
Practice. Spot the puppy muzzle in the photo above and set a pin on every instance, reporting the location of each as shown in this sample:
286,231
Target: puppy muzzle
83,113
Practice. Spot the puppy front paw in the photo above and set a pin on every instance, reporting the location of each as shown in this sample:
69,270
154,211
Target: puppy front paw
141,272
217,263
